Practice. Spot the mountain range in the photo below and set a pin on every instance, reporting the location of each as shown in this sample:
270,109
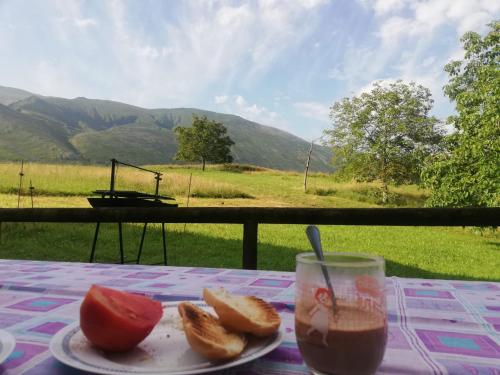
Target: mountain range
51,129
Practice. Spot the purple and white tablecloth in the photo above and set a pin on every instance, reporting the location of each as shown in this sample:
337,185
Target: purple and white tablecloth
435,326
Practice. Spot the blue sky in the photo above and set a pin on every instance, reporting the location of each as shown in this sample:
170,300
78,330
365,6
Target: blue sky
280,63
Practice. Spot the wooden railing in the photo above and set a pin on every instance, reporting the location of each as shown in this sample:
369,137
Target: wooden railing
251,217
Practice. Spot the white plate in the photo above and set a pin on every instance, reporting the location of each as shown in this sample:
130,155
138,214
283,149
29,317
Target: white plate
164,351
7,345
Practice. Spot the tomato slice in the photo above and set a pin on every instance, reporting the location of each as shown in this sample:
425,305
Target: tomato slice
116,321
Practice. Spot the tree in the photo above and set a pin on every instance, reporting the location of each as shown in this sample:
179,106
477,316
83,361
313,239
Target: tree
384,134
205,141
469,173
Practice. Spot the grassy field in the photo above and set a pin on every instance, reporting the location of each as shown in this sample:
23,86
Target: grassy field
451,253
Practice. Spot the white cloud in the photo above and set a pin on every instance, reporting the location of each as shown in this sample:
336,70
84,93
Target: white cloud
314,110
382,7
85,22
252,111
308,4
47,78
240,101
199,53
358,64
457,54
399,19
383,82
170,60
336,73
281,98
238,105
406,32
428,61
490,6
466,14
427,16
395,28
221,99
281,24
228,16
69,20
151,52
208,44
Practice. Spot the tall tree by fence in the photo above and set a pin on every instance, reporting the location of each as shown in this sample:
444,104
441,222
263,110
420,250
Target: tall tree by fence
468,174
384,134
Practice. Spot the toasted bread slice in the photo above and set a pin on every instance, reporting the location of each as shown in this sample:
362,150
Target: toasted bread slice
207,336
246,314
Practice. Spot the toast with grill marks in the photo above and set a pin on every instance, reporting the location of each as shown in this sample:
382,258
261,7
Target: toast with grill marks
207,336
246,314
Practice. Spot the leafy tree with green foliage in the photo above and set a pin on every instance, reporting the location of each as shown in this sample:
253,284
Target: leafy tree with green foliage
469,173
205,141
384,134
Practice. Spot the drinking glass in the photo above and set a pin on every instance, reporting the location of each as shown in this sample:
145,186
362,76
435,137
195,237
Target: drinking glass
344,332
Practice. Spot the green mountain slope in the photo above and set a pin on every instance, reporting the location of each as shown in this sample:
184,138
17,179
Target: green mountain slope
139,145
97,130
23,137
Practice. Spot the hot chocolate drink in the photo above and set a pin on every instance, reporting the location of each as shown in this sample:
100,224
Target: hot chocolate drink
353,343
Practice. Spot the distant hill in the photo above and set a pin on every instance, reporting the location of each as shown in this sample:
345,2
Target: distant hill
25,137
10,95
51,129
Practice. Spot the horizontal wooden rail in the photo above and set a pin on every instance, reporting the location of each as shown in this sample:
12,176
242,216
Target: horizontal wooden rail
251,217
262,215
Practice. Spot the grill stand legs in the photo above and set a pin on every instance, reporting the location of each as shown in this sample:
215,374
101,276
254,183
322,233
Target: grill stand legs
142,243
94,243
120,239
164,244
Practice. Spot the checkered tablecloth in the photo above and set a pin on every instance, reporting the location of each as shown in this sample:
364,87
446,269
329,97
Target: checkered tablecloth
435,326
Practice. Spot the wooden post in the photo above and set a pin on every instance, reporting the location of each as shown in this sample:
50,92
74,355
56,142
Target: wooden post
250,229
189,194
112,179
158,179
307,166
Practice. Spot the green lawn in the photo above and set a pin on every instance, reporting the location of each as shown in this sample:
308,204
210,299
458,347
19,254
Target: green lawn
428,252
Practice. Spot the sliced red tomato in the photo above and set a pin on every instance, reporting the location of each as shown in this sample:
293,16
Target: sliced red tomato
116,321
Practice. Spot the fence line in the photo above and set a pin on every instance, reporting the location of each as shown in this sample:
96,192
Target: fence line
251,217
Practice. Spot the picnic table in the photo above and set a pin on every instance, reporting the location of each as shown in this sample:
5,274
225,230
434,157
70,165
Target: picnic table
435,326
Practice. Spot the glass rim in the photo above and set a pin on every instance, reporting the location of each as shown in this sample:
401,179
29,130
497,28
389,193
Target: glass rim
365,260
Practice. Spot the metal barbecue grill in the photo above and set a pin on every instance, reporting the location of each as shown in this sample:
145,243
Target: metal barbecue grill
129,198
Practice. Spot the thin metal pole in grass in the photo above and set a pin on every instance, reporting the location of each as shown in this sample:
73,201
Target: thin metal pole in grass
189,195
31,193
21,174
307,165
32,188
